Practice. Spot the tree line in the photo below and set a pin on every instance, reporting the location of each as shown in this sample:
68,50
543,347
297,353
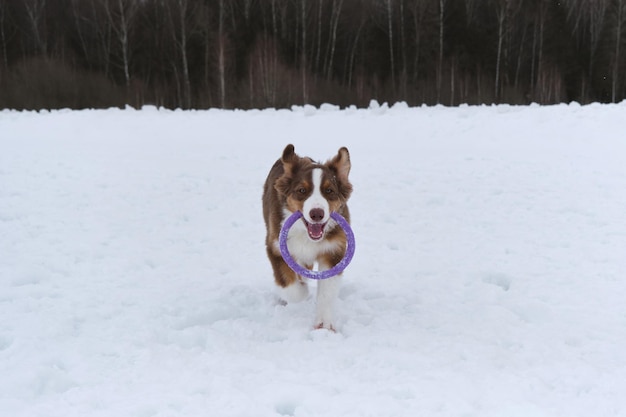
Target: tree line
277,53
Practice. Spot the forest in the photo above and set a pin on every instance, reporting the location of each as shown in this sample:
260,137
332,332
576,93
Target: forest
278,53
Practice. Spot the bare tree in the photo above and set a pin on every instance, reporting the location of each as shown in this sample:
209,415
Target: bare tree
390,34
120,15
536,67
520,55
3,36
80,21
503,9
620,22
303,60
274,19
264,72
95,32
182,45
318,53
587,20
35,13
596,11
418,9
404,72
247,6
442,5
221,53
180,33
470,9
353,49
336,12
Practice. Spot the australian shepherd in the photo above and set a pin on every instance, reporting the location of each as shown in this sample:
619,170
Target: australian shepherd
300,184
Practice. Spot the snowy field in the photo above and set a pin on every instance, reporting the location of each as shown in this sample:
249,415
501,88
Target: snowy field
489,276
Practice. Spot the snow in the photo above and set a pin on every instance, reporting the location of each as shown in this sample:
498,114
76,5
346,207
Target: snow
488,278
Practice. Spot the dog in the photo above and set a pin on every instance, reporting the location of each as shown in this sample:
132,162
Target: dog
300,184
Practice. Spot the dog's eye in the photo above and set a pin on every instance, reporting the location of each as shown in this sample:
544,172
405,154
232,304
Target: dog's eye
302,190
329,191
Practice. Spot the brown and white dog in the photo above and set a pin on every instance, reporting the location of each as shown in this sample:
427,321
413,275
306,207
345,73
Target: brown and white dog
300,184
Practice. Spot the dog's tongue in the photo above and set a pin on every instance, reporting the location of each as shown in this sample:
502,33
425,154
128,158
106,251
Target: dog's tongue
316,230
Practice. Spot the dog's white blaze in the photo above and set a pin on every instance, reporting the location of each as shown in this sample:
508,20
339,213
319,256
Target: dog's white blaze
302,248
316,199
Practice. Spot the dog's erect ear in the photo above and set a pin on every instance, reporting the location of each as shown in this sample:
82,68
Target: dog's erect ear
289,155
341,164
289,159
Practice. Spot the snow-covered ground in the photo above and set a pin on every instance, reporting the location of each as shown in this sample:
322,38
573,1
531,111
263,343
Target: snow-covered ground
489,277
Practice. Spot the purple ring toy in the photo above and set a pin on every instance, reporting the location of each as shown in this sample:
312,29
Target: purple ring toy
299,269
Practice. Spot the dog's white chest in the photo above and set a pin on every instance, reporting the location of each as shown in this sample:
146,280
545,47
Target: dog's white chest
304,250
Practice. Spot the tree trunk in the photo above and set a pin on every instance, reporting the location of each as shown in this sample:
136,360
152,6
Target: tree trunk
333,37
123,37
618,41
501,18
34,10
221,65
519,58
182,8
103,25
540,52
452,80
404,70
318,52
274,22
440,63
391,54
78,18
3,38
303,62
418,17
205,13
353,54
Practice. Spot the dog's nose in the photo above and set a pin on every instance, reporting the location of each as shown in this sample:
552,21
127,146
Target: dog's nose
317,214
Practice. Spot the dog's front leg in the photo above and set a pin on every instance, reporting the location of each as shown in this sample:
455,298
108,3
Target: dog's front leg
327,293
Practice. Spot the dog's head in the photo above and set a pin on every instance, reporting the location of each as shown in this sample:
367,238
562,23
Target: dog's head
315,189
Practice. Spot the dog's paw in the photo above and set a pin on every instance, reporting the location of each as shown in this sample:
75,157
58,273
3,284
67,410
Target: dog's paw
279,301
327,326
320,334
